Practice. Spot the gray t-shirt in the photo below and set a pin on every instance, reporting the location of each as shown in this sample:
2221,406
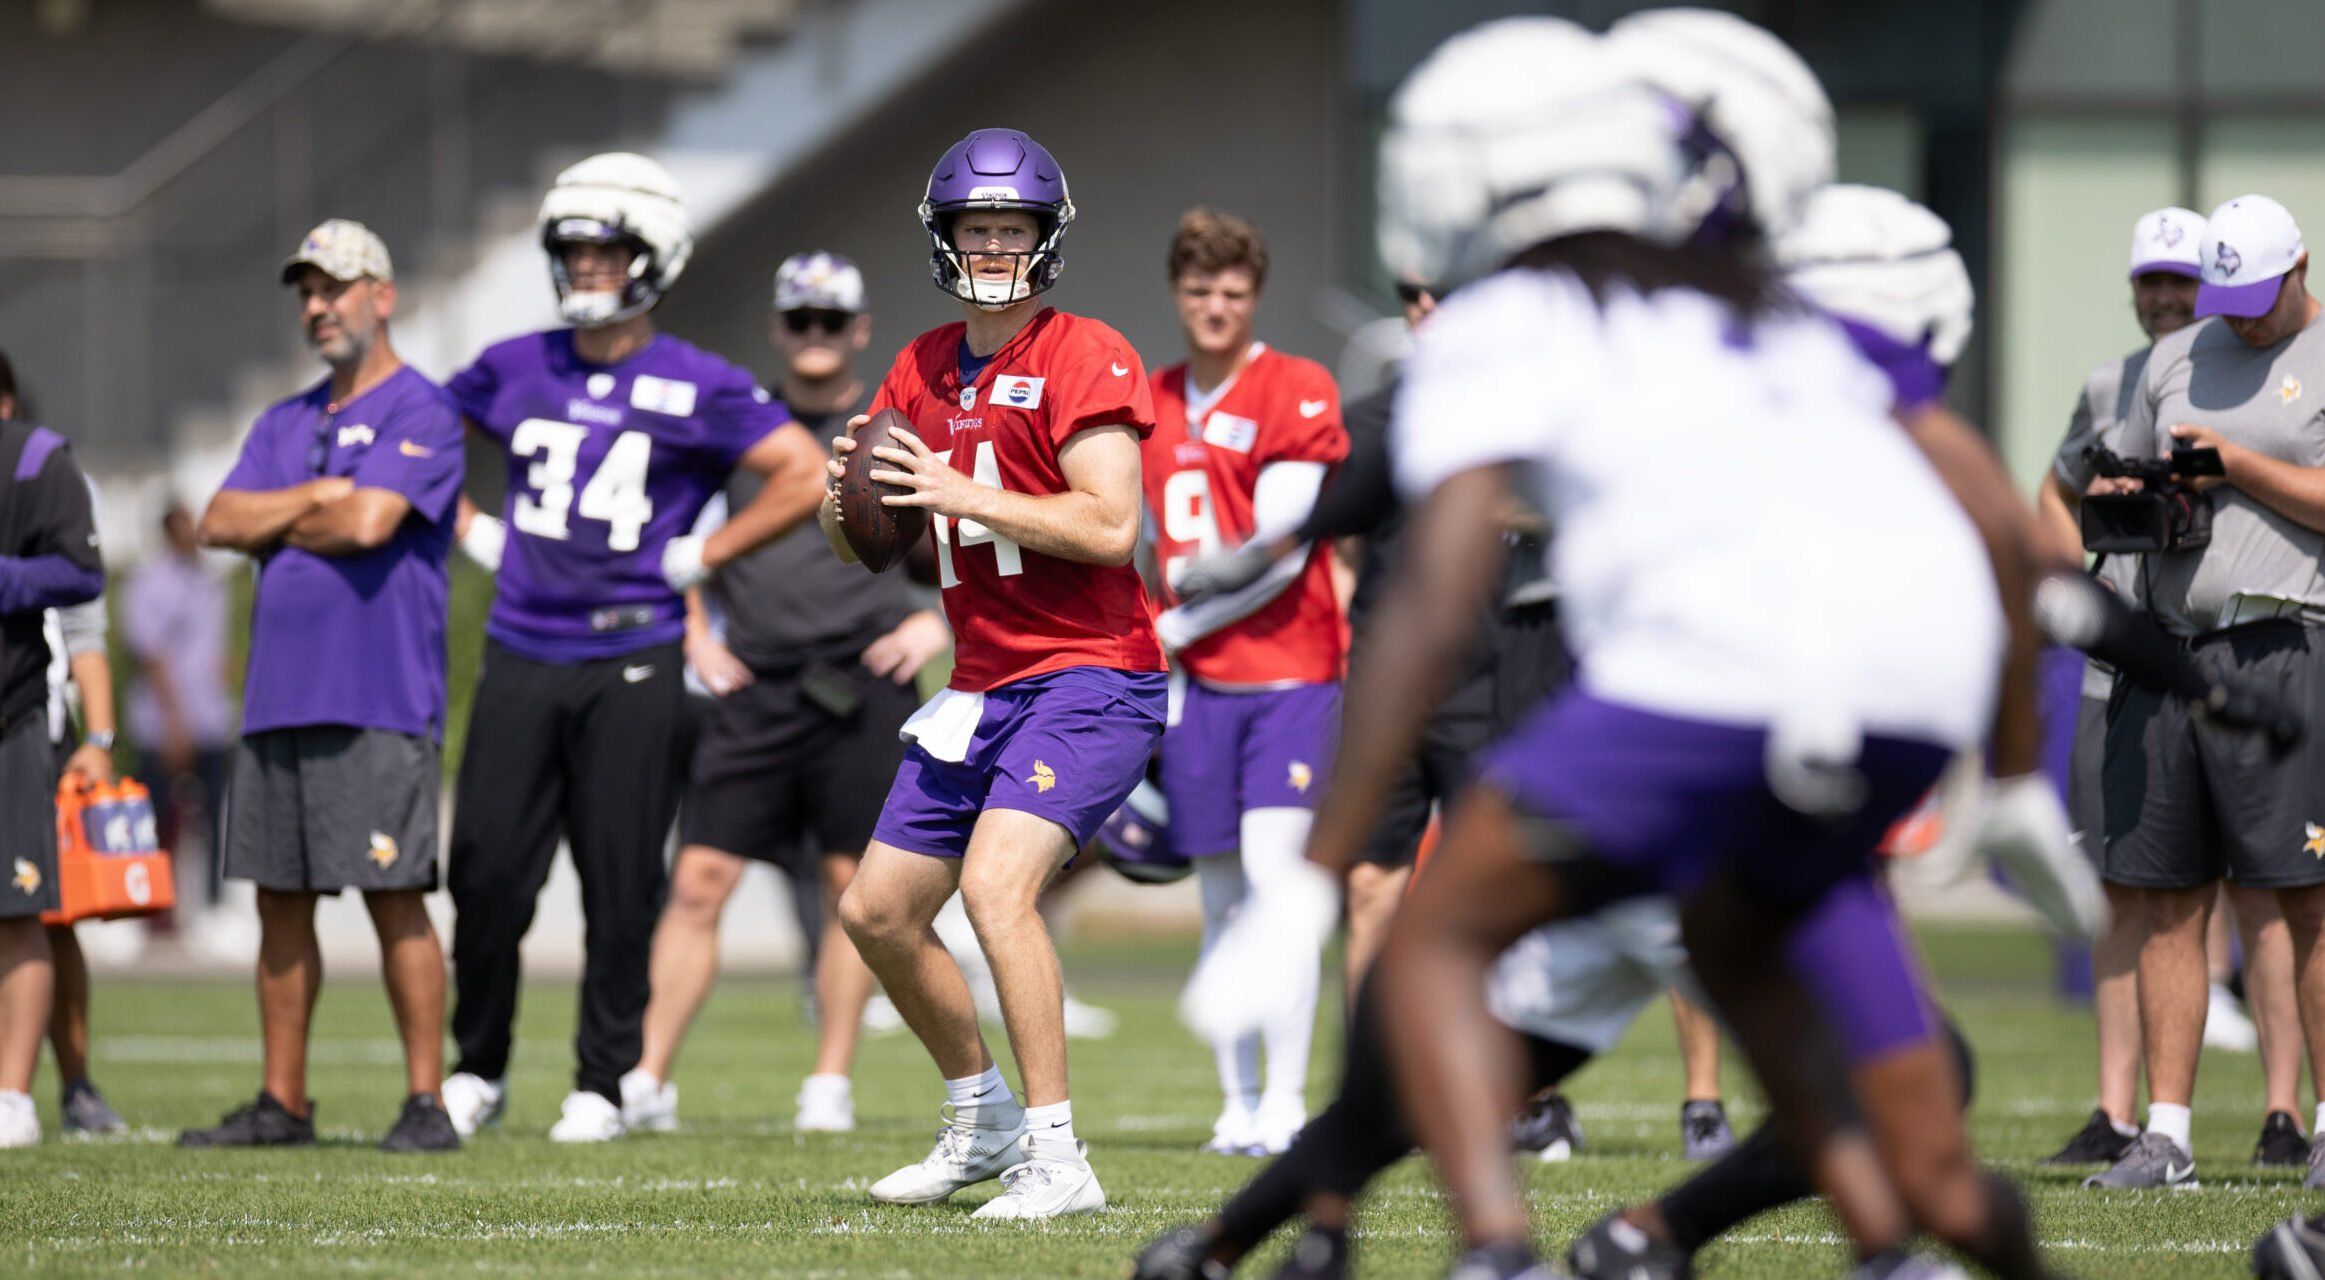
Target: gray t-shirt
793,601
2099,419
2270,400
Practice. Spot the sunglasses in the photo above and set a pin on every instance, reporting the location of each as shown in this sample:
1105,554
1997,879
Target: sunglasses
1411,293
806,318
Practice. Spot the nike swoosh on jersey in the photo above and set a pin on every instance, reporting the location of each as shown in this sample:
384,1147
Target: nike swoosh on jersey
1121,371
1310,408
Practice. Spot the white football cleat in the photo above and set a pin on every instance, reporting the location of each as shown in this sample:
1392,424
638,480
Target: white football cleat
19,1122
964,1155
1276,1123
1235,1132
648,1105
1088,1021
588,1117
827,1104
472,1101
2025,829
1054,1181
1280,931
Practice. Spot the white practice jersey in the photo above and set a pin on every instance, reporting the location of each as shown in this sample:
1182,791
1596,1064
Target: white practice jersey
1744,533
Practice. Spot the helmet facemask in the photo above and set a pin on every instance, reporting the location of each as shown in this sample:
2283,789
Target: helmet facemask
1036,269
594,309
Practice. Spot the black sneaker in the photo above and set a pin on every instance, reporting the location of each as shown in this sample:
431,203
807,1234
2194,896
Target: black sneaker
2282,1145
1616,1249
1317,1255
2096,1142
1703,1131
263,1123
1182,1253
86,1111
1548,1128
422,1126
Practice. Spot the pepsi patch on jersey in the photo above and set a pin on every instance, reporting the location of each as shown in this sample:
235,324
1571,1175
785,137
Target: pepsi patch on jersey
662,395
1228,431
1017,392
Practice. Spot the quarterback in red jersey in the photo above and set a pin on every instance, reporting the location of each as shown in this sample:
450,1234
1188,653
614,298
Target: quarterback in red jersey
1025,451
1243,438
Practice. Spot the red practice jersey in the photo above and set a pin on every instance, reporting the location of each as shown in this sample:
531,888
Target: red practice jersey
1017,613
1199,479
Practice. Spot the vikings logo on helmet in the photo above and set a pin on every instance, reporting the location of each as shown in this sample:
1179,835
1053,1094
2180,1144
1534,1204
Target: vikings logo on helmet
1136,841
996,169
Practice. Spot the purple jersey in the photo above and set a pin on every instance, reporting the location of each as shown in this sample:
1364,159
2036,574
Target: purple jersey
355,639
607,463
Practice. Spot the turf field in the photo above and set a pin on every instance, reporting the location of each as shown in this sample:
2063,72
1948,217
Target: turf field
736,1193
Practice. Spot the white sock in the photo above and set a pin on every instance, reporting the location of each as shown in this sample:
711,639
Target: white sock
978,1098
1052,1129
1221,880
1274,843
2318,1125
829,1083
2171,1120
2123,1130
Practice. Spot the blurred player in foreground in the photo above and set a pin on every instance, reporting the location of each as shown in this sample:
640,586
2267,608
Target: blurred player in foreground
345,495
1024,449
1244,436
616,436
1679,761
812,680
48,560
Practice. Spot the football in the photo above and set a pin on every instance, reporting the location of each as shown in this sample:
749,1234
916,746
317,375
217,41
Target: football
880,535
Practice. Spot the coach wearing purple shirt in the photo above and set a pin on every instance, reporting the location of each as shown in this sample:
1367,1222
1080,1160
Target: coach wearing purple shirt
345,495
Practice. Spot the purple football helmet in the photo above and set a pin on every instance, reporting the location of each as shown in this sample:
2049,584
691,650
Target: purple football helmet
996,169
1136,841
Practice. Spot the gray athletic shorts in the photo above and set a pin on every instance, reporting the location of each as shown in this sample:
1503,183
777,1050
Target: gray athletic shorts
2188,803
2086,803
28,819
321,808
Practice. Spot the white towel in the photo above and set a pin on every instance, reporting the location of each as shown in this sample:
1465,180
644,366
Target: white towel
945,724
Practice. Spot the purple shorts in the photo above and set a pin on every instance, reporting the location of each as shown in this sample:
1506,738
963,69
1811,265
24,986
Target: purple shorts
1676,802
1231,753
1067,746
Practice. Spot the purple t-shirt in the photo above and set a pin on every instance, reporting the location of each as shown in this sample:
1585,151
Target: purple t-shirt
355,639
607,463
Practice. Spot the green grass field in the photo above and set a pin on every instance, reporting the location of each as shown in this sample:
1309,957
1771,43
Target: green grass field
736,1193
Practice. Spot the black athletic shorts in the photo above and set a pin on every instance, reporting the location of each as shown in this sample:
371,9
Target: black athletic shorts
2188,802
786,765
2086,795
28,819
321,808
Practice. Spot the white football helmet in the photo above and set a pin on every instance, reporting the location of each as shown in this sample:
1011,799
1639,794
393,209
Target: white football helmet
1515,132
1767,116
616,196
1870,255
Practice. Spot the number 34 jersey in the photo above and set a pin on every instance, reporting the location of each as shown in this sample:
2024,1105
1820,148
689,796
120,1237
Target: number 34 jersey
1017,613
606,464
1202,469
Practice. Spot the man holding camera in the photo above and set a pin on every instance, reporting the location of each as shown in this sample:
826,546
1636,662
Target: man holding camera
2232,559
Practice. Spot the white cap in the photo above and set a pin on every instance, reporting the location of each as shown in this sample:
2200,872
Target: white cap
2249,243
342,249
822,281
2166,240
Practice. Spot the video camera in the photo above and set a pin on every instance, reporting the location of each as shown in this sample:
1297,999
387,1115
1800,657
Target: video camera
2167,514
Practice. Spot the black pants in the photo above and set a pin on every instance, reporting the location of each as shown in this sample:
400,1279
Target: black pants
591,752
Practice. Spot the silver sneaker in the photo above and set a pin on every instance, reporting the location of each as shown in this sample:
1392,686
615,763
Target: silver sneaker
964,1155
1048,1185
2316,1179
2155,1162
86,1111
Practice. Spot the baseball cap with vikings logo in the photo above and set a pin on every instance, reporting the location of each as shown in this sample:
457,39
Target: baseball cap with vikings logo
2249,244
818,281
2168,239
343,250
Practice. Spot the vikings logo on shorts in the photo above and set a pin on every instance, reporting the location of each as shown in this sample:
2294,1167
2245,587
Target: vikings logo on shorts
2314,844
27,877
1301,776
1043,777
383,850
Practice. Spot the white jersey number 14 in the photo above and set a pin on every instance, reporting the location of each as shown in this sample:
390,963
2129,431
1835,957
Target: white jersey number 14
1008,559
